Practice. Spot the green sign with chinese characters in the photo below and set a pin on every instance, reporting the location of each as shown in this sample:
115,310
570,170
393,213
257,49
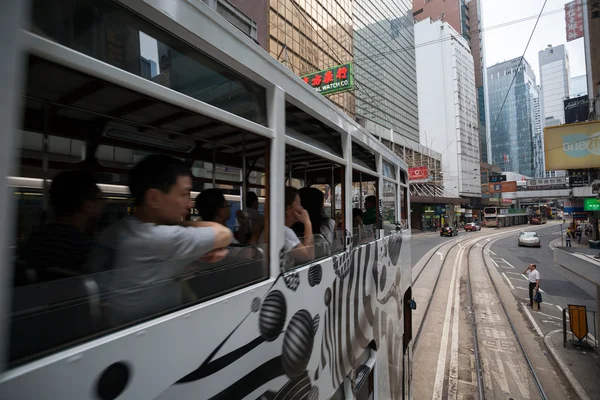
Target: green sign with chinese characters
516,211
332,80
591,204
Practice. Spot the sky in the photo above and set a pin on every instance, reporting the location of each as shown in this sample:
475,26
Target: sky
507,42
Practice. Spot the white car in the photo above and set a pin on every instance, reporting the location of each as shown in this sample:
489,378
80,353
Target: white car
531,239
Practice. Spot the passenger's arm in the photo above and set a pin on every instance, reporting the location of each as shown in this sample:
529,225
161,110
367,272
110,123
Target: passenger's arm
223,235
305,250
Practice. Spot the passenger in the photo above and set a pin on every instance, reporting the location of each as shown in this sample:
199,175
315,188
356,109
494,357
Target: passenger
146,251
252,205
313,202
303,250
212,206
357,217
370,215
61,248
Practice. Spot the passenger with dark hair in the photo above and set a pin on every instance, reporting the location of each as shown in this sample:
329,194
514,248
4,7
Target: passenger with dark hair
252,205
357,217
301,250
370,215
61,248
313,202
155,244
212,206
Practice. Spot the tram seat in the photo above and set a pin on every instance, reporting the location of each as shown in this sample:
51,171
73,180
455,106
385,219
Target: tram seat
50,314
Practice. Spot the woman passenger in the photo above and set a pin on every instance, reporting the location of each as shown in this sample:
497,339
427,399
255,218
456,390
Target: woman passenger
313,202
303,250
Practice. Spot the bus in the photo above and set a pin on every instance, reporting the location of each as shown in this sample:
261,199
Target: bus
539,214
99,85
503,216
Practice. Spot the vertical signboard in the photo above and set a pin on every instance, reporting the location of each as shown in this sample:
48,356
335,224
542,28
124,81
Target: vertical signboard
574,20
576,109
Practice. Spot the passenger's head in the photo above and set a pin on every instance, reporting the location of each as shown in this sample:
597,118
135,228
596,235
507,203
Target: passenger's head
370,202
161,186
357,217
532,266
292,203
251,200
76,193
212,206
313,201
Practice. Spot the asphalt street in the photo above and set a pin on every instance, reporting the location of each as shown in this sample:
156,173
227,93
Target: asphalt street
421,244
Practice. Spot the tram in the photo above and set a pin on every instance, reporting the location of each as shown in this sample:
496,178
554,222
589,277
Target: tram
339,326
503,216
539,214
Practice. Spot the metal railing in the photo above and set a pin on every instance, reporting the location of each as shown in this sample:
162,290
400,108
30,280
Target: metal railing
581,317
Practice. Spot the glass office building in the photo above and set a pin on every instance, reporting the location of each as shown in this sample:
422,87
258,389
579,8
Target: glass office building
385,65
512,125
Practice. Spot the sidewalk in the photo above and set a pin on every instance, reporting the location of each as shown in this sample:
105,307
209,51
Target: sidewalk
580,365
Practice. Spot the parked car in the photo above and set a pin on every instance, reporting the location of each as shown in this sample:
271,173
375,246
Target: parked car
472,226
448,231
531,239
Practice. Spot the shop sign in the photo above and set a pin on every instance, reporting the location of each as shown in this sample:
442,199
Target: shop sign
418,174
591,204
573,206
428,209
560,181
503,187
332,80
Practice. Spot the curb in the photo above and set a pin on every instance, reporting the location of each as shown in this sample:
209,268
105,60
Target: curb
563,366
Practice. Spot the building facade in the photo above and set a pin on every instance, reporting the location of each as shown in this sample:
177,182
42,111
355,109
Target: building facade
448,104
578,86
513,126
313,35
554,80
539,167
466,18
385,66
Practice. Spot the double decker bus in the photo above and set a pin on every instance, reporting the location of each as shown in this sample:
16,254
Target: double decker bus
104,84
539,214
503,216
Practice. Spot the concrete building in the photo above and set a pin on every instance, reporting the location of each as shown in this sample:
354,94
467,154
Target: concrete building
465,17
512,137
539,166
448,120
578,86
554,80
384,65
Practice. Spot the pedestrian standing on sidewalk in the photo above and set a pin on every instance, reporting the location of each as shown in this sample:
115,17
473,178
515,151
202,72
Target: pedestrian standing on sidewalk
534,281
568,237
578,234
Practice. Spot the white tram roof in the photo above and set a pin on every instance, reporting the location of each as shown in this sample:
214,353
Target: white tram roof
195,24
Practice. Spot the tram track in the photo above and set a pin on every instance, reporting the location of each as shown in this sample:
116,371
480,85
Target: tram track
482,366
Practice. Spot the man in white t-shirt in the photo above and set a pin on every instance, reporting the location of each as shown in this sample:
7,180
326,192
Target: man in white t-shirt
138,259
534,281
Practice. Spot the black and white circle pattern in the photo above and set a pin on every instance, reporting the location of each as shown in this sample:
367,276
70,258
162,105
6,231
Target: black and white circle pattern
315,274
272,315
327,297
255,306
316,320
292,280
341,265
298,342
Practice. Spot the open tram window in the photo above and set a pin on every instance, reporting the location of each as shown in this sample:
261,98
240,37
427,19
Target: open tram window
366,208
312,179
104,133
389,207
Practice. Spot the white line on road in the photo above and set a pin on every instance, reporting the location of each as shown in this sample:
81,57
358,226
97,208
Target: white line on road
491,252
524,277
453,373
522,288
509,282
513,273
508,263
441,255
560,308
497,266
535,325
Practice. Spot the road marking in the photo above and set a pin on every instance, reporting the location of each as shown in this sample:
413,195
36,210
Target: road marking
441,255
522,288
513,273
509,282
535,325
497,266
524,277
441,363
550,316
560,308
492,252
508,263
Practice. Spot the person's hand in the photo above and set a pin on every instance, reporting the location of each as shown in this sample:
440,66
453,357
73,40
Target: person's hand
302,216
214,256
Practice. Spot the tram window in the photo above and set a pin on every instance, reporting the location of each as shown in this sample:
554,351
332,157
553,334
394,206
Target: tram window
109,32
313,177
389,170
404,207
388,212
365,198
74,306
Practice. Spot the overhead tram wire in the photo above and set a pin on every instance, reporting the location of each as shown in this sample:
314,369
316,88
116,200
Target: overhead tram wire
489,135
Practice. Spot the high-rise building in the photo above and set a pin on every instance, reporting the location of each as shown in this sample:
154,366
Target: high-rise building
313,35
512,124
447,95
384,65
578,86
554,80
465,17
539,166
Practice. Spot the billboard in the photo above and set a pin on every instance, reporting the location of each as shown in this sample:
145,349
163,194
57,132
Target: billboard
332,80
559,181
573,206
576,109
574,20
503,187
574,146
591,204
418,174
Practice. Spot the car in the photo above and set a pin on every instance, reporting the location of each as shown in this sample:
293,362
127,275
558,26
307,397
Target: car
472,226
448,231
530,239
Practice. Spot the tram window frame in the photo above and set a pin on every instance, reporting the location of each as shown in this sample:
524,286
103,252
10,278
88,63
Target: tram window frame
394,185
70,300
370,180
316,172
